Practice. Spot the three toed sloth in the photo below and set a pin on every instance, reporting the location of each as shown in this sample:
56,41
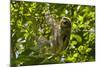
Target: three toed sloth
60,31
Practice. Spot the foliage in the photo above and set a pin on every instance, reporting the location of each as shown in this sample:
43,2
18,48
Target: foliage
27,20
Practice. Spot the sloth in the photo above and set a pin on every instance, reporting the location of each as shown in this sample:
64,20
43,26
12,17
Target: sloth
60,31
65,31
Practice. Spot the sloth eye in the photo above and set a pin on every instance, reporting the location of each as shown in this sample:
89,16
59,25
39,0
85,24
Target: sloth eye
65,22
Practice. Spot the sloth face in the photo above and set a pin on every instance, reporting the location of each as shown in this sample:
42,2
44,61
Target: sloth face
65,22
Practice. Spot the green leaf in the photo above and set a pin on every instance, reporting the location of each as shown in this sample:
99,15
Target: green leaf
73,43
75,55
